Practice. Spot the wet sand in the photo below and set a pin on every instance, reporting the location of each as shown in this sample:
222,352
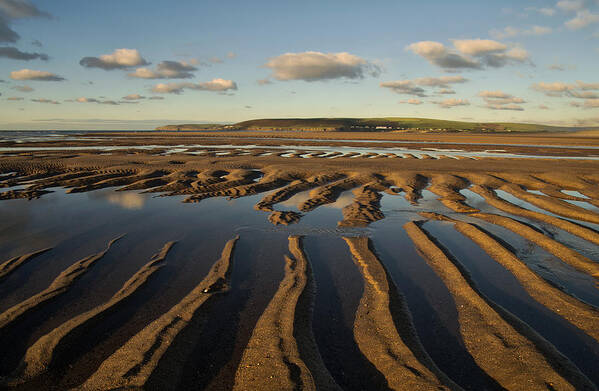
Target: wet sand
153,320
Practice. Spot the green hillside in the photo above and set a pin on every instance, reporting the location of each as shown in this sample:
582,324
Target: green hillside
372,124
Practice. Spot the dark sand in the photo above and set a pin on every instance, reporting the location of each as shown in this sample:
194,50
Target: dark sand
113,320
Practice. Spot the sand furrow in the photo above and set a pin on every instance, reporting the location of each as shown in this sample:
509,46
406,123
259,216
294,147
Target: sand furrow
118,181
241,190
284,217
401,359
40,355
234,178
553,205
133,363
366,207
581,315
58,286
57,180
12,264
575,229
410,183
271,359
329,193
203,192
22,194
89,179
448,188
564,253
293,188
18,179
503,346
176,181
267,183
207,177
144,184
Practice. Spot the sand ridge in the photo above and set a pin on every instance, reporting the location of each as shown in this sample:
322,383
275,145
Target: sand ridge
133,363
580,314
57,287
39,356
271,359
397,354
499,348
565,253
14,263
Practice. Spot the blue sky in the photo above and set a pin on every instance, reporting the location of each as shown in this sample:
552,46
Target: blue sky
132,64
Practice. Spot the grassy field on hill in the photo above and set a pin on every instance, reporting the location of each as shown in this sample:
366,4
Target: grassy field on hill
373,124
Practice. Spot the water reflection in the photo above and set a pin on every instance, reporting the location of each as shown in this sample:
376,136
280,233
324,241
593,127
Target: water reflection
346,198
126,200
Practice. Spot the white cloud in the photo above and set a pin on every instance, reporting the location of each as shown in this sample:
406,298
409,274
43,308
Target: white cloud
446,91
570,5
507,32
494,94
499,100
587,86
134,97
314,66
219,85
512,107
263,82
414,87
552,89
119,59
436,53
561,67
469,53
538,30
166,70
94,100
579,90
478,47
443,81
510,32
453,102
583,19
584,94
587,104
406,87
29,74
411,102
547,11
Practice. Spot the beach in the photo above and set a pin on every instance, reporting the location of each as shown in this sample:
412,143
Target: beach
299,260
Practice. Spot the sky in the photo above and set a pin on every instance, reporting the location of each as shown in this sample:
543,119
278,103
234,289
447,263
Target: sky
131,64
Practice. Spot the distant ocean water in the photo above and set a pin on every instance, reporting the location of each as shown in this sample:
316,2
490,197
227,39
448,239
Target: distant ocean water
23,136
